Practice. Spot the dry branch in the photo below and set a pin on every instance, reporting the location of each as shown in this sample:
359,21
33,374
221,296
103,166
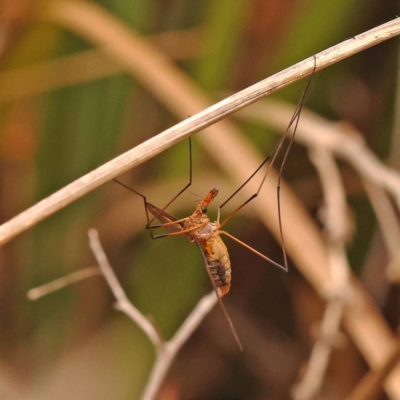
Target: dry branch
165,351
44,290
336,229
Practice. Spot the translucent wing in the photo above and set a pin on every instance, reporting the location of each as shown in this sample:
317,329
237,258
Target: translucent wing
165,218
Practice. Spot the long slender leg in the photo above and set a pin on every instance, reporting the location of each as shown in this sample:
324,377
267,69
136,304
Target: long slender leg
284,267
187,185
167,225
176,233
172,222
148,226
273,155
294,121
221,304
154,217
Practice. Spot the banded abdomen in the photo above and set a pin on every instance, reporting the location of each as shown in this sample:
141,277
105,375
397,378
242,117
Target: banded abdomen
218,262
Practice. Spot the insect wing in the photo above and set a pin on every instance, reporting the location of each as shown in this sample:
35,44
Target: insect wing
165,218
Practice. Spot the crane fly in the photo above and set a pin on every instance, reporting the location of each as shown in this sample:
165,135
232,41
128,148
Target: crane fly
206,234
199,229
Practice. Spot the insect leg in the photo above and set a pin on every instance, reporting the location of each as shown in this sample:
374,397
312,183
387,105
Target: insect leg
273,155
162,210
187,185
293,122
181,231
145,205
284,267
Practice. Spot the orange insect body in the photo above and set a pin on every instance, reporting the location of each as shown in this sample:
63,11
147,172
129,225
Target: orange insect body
206,234
199,229
218,261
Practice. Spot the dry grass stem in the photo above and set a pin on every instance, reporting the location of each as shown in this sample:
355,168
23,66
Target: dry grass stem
60,283
123,303
82,67
171,348
335,222
165,351
336,228
62,72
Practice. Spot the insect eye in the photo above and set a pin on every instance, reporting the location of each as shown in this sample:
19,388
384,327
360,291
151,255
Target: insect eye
203,209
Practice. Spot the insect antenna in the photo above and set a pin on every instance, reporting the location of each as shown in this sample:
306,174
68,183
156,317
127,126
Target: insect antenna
220,302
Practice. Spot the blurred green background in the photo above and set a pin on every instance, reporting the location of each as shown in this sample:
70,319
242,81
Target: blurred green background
72,344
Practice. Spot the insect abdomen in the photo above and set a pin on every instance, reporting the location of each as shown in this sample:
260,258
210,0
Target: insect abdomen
219,264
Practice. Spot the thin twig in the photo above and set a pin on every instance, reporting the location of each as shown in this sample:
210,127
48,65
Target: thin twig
44,290
165,351
123,304
336,222
336,227
165,359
